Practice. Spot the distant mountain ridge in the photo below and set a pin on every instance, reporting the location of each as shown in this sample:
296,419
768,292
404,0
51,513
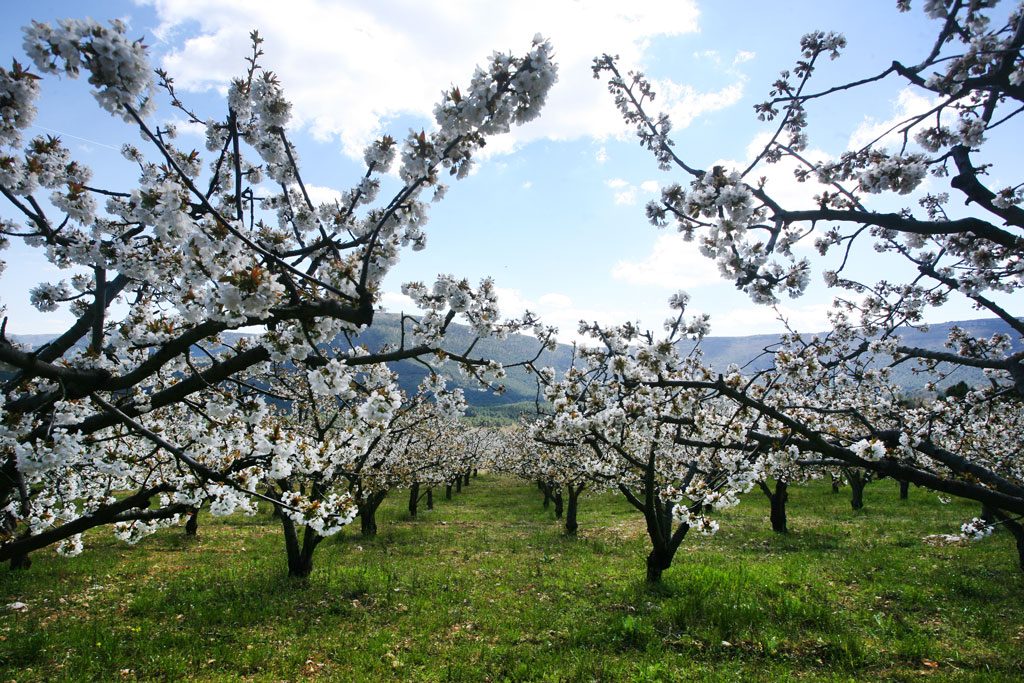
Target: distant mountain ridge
719,353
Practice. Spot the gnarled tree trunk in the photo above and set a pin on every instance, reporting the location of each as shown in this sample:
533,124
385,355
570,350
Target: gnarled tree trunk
857,483
21,562
368,512
777,500
665,539
300,555
192,525
414,499
1016,530
572,505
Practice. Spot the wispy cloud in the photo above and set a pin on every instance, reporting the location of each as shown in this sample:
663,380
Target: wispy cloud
908,103
672,264
624,192
350,67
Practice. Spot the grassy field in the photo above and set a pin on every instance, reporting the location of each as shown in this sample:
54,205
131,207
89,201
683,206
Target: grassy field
486,587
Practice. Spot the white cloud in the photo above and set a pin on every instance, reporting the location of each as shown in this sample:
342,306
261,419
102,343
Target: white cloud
739,322
190,129
625,193
553,308
322,195
672,264
559,310
562,311
715,57
743,56
710,55
780,182
350,67
555,300
601,156
622,191
396,302
527,185
683,103
908,103
626,197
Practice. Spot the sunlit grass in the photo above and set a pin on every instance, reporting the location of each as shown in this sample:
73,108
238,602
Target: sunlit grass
487,587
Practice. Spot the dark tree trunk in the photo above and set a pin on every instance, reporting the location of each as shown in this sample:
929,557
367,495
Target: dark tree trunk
276,511
570,509
310,540
458,484
665,540
657,562
21,562
300,555
778,512
368,513
559,507
835,484
465,479
665,534
367,522
857,483
476,472
546,488
192,525
1016,530
11,485
430,498
414,499
904,490
989,514
1018,535
777,500
448,491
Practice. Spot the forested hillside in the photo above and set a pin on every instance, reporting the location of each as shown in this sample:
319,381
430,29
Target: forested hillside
719,352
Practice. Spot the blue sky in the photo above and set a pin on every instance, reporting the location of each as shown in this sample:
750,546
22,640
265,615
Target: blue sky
554,212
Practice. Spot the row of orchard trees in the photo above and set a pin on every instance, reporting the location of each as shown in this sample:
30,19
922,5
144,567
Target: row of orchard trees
140,401
680,441
143,409
829,398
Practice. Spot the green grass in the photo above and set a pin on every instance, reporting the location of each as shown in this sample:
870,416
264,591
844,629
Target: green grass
486,587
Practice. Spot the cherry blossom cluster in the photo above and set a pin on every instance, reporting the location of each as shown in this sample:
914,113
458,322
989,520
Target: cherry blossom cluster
738,222
656,433
829,400
118,68
149,405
